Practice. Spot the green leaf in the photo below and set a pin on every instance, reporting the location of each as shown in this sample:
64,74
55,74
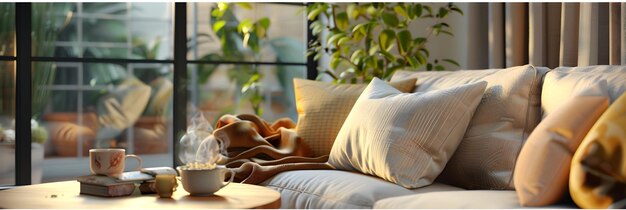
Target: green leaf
429,67
313,14
386,39
371,10
421,59
456,9
318,56
245,5
429,10
443,12
359,28
264,22
342,21
373,50
390,19
344,40
218,25
418,9
453,62
446,32
439,68
335,60
353,11
414,62
400,10
404,41
245,26
335,37
357,56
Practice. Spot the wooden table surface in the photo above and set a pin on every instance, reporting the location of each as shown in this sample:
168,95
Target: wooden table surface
66,195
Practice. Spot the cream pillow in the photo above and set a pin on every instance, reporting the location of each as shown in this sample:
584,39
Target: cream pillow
542,169
405,138
507,114
322,107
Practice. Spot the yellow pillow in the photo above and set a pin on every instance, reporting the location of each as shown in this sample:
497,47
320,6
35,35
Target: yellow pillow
542,168
323,107
598,170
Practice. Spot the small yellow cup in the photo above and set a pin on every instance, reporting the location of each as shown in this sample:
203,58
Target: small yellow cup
166,185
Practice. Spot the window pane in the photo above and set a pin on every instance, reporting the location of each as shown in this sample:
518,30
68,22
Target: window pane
91,105
215,90
7,128
103,30
7,29
285,41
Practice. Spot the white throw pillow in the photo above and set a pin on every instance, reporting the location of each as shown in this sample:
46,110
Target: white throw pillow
405,138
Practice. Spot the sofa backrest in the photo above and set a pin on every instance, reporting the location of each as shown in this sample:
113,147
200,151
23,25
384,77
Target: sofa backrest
508,112
563,82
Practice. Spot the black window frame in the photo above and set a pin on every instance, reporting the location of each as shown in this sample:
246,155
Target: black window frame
23,60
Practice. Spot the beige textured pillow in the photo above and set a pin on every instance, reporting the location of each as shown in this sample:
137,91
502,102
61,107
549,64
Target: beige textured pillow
507,114
322,107
405,138
542,169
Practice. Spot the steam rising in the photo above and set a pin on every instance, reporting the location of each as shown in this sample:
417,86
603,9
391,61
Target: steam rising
199,149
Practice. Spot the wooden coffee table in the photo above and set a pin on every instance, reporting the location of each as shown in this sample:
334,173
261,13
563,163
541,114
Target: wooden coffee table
66,195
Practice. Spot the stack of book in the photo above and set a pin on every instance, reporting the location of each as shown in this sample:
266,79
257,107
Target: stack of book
123,186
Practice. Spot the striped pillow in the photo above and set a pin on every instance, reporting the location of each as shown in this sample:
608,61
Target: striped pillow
405,138
322,107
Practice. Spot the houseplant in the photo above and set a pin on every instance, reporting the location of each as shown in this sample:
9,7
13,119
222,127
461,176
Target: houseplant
46,26
366,40
239,40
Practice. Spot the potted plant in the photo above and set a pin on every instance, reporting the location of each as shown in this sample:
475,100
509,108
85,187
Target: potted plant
45,28
366,40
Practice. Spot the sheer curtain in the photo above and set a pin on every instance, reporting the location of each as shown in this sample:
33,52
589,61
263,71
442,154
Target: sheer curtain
546,34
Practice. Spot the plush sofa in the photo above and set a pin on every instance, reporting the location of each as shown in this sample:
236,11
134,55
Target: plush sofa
479,174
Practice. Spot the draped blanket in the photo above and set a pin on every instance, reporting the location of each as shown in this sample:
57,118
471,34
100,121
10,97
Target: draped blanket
258,149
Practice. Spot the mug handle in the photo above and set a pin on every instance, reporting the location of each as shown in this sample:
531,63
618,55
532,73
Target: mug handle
232,177
136,158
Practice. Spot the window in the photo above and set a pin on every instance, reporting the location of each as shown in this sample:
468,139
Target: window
103,76
222,65
7,93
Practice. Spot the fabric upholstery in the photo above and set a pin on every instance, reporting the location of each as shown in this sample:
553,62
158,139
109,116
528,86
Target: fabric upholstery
508,112
323,107
598,170
405,138
464,199
331,189
542,169
568,79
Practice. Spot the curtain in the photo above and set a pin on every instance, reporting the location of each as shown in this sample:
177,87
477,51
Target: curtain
546,34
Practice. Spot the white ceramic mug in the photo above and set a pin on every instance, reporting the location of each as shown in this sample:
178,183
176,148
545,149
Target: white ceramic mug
109,162
203,182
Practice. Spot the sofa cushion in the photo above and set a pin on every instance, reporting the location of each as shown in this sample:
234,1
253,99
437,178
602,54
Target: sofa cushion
508,112
542,169
464,199
562,82
323,107
405,138
329,189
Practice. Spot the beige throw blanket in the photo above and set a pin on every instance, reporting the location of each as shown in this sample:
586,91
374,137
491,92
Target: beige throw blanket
259,149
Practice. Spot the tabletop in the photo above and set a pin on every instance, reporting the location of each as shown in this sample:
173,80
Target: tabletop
66,195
